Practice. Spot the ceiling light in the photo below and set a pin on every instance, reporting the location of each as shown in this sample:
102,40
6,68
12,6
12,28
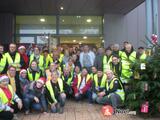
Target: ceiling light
74,40
84,37
89,20
102,41
80,43
42,20
63,20
61,8
78,16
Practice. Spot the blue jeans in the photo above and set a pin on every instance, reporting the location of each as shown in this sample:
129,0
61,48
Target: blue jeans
61,103
29,103
87,95
114,100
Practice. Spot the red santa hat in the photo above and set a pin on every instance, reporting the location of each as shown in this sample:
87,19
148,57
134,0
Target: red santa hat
3,78
21,47
22,70
42,80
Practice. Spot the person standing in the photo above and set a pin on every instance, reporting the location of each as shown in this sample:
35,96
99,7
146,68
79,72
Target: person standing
87,58
107,58
37,57
2,61
13,57
24,58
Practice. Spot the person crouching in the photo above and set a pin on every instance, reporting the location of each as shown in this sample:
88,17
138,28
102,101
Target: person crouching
82,86
55,93
9,101
34,96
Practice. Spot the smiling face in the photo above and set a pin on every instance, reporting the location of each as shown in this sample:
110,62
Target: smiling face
109,74
99,73
12,71
36,51
39,84
84,72
108,52
54,76
24,74
34,65
12,48
94,70
115,60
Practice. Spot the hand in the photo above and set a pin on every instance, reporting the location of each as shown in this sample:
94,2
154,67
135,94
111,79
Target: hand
80,92
63,95
77,94
53,104
36,99
101,94
12,110
20,105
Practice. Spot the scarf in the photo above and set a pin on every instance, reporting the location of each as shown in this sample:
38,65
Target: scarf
12,81
25,57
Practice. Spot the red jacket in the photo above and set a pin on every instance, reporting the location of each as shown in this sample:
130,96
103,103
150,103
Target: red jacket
76,87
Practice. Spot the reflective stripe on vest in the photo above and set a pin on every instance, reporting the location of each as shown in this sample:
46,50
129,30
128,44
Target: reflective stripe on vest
143,57
50,89
61,58
30,76
40,61
69,80
120,92
48,74
103,81
80,79
3,96
48,60
106,63
2,63
131,58
15,62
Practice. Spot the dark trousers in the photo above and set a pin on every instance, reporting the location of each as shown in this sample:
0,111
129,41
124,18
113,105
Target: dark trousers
87,94
6,115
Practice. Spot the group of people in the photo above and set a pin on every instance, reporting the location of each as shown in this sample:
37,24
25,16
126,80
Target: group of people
40,80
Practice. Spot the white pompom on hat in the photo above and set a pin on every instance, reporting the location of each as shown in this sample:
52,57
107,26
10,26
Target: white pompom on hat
3,78
21,47
22,70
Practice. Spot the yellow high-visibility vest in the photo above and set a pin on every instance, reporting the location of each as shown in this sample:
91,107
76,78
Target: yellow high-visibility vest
51,90
3,96
120,92
2,63
80,79
15,62
30,76
103,81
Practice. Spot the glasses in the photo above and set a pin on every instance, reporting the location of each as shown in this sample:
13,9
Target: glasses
12,70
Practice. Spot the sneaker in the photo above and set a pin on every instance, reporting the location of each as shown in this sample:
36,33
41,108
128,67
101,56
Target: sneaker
27,112
15,117
61,110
